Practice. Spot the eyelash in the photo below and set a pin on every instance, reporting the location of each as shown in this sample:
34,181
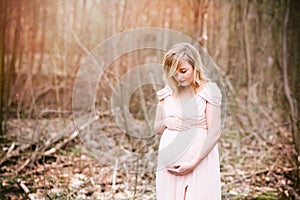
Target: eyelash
183,71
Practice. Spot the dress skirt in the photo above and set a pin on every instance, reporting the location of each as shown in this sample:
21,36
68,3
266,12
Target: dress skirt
203,183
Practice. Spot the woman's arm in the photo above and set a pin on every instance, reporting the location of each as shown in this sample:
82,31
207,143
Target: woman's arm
213,116
159,125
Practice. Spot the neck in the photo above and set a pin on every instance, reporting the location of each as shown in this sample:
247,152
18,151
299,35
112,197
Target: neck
186,89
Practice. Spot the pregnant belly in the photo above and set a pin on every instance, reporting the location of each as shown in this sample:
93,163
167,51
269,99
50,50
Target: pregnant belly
167,138
179,146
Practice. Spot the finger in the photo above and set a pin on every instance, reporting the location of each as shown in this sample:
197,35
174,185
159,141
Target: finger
180,174
172,170
176,166
184,125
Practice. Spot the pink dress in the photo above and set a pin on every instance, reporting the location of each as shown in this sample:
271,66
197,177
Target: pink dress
204,182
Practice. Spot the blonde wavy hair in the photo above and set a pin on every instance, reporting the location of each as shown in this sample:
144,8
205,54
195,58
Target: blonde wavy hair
175,57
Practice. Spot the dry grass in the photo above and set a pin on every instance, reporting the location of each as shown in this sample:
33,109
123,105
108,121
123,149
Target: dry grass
256,163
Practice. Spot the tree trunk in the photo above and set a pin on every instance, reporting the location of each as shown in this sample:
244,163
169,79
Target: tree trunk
3,8
287,89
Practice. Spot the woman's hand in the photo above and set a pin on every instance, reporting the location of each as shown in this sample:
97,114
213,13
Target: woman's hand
181,169
175,124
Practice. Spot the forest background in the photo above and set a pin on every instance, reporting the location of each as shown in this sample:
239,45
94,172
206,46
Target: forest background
43,43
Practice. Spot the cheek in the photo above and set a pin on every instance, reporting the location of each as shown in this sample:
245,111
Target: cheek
190,74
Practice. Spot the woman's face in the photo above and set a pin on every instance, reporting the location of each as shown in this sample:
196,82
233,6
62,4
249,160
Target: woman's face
185,74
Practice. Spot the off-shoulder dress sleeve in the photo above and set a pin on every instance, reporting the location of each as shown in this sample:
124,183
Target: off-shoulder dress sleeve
164,93
212,94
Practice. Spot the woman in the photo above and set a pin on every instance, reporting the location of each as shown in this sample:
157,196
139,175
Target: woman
189,118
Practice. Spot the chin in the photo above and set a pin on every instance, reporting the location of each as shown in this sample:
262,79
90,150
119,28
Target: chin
184,84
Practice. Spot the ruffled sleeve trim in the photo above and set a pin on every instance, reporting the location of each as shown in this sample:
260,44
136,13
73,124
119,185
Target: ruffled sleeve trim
164,93
212,94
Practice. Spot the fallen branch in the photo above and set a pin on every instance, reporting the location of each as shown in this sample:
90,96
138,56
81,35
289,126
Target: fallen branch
46,149
14,153
22,185
8,153
267,170
61,144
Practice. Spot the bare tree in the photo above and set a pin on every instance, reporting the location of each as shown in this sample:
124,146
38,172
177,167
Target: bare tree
3,16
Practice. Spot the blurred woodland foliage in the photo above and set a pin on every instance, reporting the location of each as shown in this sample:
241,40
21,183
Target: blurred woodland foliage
255,43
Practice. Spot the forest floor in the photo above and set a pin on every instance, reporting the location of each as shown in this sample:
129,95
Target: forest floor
67,170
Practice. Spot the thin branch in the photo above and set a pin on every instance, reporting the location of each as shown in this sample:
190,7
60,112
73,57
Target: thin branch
287,90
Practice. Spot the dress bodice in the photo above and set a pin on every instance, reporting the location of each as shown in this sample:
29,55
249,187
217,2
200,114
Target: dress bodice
192,112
